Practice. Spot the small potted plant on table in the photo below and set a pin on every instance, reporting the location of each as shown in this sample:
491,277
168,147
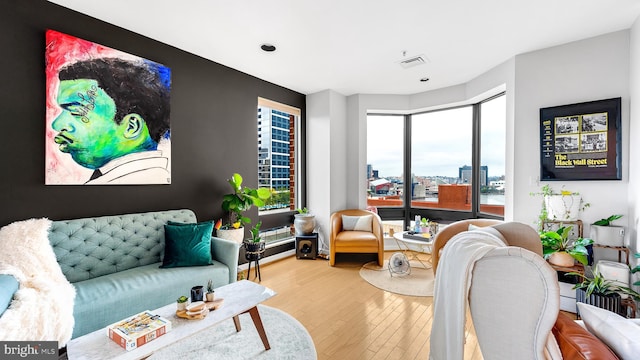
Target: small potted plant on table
604,233
181,303
210,295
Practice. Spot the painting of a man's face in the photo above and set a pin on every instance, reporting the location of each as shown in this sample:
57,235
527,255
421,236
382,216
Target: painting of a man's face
107,115
86,127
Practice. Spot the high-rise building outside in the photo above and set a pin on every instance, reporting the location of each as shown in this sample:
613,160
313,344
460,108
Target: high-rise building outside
464,175
273,149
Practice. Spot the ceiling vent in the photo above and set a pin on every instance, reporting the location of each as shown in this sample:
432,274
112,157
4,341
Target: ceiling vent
413,61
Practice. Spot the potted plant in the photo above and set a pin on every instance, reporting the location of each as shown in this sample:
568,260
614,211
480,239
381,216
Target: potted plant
595,290
304,223
235,204
424,225
603,233
210,293
562,251
254,247
564,205
182,303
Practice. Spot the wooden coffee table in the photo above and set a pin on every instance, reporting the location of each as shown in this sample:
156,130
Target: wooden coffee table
239,298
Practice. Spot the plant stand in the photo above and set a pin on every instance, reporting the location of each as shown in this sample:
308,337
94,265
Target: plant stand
253,253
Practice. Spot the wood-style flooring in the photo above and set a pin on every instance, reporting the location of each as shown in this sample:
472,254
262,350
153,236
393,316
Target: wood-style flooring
347,317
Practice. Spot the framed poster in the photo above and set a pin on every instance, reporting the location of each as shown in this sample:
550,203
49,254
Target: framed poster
581,141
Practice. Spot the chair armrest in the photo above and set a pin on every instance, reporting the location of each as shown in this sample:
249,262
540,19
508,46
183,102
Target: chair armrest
227,252
8,287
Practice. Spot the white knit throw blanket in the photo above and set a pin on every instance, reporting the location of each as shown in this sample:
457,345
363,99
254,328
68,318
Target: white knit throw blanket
42,308
451,289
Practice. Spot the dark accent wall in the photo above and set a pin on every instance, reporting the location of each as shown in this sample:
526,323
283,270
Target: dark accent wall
213,122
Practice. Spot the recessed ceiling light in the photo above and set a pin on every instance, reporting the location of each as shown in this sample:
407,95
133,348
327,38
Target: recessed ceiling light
424,79
268,47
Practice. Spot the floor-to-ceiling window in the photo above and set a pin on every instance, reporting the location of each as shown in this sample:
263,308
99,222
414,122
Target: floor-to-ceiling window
446,165
279,164
492,154
441,154
385,154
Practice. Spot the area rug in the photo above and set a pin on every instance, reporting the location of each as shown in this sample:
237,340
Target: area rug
287,337
418,283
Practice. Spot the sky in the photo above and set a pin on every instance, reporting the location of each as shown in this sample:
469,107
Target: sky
441,141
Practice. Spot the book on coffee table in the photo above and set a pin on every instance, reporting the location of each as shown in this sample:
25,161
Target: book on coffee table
138,330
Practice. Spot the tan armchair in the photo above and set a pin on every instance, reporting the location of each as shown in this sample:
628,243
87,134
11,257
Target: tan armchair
356,241
450,231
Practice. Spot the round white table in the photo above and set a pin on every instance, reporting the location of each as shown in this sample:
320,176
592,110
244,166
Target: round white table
404,244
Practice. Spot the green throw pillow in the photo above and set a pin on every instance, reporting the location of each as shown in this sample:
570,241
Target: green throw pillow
187,244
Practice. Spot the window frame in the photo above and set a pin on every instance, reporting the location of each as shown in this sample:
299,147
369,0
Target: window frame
284,217
406,212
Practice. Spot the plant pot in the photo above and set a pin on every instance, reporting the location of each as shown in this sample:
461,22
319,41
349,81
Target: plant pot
563,207
304,224
607,235
182,306
561,258
210,296
236,235
611,302
253,250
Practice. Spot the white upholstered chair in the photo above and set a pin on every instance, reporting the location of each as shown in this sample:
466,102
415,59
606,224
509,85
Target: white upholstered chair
513,294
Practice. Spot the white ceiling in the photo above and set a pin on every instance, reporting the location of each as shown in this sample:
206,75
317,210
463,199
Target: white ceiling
354,46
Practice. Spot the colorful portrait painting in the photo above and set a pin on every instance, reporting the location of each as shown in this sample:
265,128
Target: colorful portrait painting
107,115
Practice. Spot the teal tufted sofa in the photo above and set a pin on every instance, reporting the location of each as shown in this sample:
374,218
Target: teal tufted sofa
113,262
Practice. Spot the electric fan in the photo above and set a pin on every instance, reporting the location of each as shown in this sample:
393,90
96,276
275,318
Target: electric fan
399,264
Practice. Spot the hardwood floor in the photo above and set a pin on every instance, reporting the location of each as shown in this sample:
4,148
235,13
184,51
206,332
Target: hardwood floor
347,317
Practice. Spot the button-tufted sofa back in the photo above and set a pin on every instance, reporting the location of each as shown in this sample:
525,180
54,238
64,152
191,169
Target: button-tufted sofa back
92,247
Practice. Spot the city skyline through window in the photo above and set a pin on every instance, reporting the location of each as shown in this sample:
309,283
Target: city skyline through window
441,150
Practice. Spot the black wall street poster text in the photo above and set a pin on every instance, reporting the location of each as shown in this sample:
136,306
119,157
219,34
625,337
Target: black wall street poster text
581,141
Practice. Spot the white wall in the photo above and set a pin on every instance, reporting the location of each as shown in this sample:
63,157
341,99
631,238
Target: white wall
586,70
326,158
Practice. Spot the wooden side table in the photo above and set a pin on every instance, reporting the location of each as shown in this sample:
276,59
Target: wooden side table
619,249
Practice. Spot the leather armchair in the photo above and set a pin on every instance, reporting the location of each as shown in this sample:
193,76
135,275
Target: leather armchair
342,241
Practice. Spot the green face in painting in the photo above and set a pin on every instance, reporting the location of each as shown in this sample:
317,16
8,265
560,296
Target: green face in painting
86,126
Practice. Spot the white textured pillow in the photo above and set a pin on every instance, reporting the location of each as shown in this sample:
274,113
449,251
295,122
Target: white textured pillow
357,223
620,334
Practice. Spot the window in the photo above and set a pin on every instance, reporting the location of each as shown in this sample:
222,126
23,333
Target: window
493,133
278,166
451,167
385,149
441,143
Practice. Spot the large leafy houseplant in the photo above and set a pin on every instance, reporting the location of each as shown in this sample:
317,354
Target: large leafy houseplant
558,241
240,200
